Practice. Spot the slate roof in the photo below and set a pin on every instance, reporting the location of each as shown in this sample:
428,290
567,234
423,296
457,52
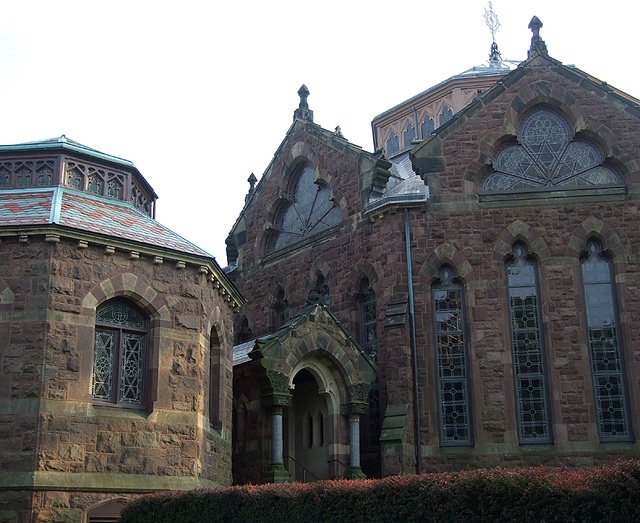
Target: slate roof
88,213
241,352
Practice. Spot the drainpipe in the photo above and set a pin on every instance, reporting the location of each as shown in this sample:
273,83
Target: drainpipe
414,349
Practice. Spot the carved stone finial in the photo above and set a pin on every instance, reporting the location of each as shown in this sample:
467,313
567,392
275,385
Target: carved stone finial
252,181
252,184
538,47
303,112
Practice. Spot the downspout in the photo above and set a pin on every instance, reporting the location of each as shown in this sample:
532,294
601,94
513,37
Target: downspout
414,349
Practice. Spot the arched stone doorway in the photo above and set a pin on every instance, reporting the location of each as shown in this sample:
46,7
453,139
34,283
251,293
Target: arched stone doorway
307,437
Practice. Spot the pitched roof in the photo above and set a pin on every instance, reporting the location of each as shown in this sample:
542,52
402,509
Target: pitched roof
88,213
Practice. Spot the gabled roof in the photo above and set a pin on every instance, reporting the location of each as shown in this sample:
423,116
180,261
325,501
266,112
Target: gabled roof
90,214
261,347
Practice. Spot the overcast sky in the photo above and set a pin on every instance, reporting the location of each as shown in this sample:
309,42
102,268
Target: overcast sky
198,95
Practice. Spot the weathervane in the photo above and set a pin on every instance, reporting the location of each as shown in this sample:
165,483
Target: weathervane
491,19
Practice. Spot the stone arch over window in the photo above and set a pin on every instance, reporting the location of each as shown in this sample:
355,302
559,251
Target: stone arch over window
452,359
120,354
308,209
108,512
519,231
137,293
446,254
548,155
527,347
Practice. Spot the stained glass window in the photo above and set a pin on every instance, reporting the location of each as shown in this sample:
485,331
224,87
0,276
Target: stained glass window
310,211
119,353
453,376
547,156
368,320
527,348
604,346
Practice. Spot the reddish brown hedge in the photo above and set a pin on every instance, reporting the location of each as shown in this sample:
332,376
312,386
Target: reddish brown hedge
608,493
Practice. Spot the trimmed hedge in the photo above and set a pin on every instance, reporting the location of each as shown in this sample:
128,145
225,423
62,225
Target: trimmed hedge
608,493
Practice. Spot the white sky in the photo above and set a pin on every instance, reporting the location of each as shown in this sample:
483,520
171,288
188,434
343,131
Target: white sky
199,94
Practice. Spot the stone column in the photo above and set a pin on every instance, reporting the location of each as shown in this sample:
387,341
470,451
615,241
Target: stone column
354,436
276,436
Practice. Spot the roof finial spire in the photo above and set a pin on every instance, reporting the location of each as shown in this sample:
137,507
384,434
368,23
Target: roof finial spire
538,47
491,19
303,112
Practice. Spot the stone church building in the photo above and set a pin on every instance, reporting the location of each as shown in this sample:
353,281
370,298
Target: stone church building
468,295
485,263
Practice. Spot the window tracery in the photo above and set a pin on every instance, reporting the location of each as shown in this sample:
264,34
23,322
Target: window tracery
547,155
453,377
527,348
368,319
119,354
604,345
310,211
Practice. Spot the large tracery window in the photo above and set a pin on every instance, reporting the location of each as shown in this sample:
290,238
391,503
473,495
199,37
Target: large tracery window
604,346
548,155
527,346
309,212
119,354
453,373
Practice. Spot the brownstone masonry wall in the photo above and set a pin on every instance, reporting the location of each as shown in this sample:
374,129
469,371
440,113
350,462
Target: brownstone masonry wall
67,452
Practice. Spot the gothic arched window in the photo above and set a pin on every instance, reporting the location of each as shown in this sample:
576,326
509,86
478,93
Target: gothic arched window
527,347
393,144
427,127
310,210
604,345
409,135
280,309
546,156
446,114
119,355
216,379
368,319
453,372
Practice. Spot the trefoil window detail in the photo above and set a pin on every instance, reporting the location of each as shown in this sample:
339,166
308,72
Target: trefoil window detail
527,346
547,155
604,346
453,373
